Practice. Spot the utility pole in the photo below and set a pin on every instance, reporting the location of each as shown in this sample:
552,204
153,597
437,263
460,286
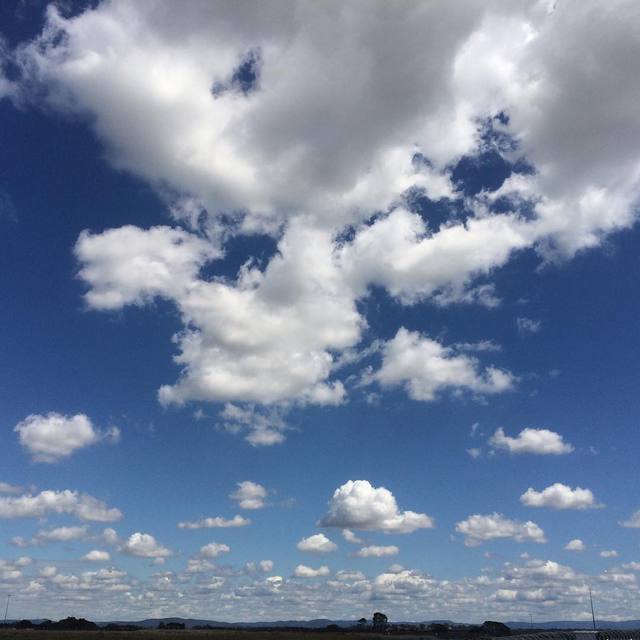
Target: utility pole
6,609
593,615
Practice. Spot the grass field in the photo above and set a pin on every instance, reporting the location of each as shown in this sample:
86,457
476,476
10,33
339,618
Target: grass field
222,634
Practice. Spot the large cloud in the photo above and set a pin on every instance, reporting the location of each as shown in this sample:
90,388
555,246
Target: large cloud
407,82
80,505
560,496
53,436
359,505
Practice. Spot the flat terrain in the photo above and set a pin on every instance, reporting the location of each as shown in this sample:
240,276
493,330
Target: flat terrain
188,634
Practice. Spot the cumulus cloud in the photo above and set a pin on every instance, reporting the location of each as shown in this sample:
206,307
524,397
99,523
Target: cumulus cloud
425,367
536,441
80,505
359,505
318,543
53,436
271,158
97,555
609,553
632,522
528,325
61,534
215,523
480,528
375,551
249,495
575,545
5,487
144,545
263,428
560,496
351,537
214,549
302,571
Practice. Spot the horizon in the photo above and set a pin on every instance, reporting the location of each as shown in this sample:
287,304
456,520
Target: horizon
320,307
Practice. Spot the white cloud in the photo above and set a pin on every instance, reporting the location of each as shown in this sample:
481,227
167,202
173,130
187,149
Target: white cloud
475,452
5,487
609,553
575,545
96,555
144,545
480,528
536,441
318,543
61,534
214,549
359,505
302,571
375,551
274,160
528,325
425,367
560,496
249,495
80,505
351,537
633,521
263,428
48,571
216,523
50,437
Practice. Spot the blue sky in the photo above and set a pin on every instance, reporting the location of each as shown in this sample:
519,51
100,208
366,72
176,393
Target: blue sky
366,283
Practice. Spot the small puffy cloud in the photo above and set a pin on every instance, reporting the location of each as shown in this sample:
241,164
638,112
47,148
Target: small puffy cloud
5,487
374,551
560,496
318,543
351,537
50,437
215,523
348,576
144,545
536,441
214,549
264,566
263,427
249,495
528,325
609,553
302,571
426,367
61,534
80,505
359,505
632,522
575,545
475,452
480,528
48,571
96,555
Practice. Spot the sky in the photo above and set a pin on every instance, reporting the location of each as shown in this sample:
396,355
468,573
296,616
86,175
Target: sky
317,309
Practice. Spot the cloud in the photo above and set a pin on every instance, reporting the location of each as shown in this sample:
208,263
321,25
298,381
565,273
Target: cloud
480,528
575,545
528,325
80,505
50,437
249,495
632,522
302,571
359,505
214,549
144,545
609,553
560,496
96,555
61,534
536,441
425,367
351,537
374,551
216,523
475,452
318,543
5,487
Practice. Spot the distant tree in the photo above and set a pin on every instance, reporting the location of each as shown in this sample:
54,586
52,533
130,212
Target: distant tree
495,629
380,621
362,622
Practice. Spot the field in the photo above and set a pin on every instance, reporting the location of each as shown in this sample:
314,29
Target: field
222,634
